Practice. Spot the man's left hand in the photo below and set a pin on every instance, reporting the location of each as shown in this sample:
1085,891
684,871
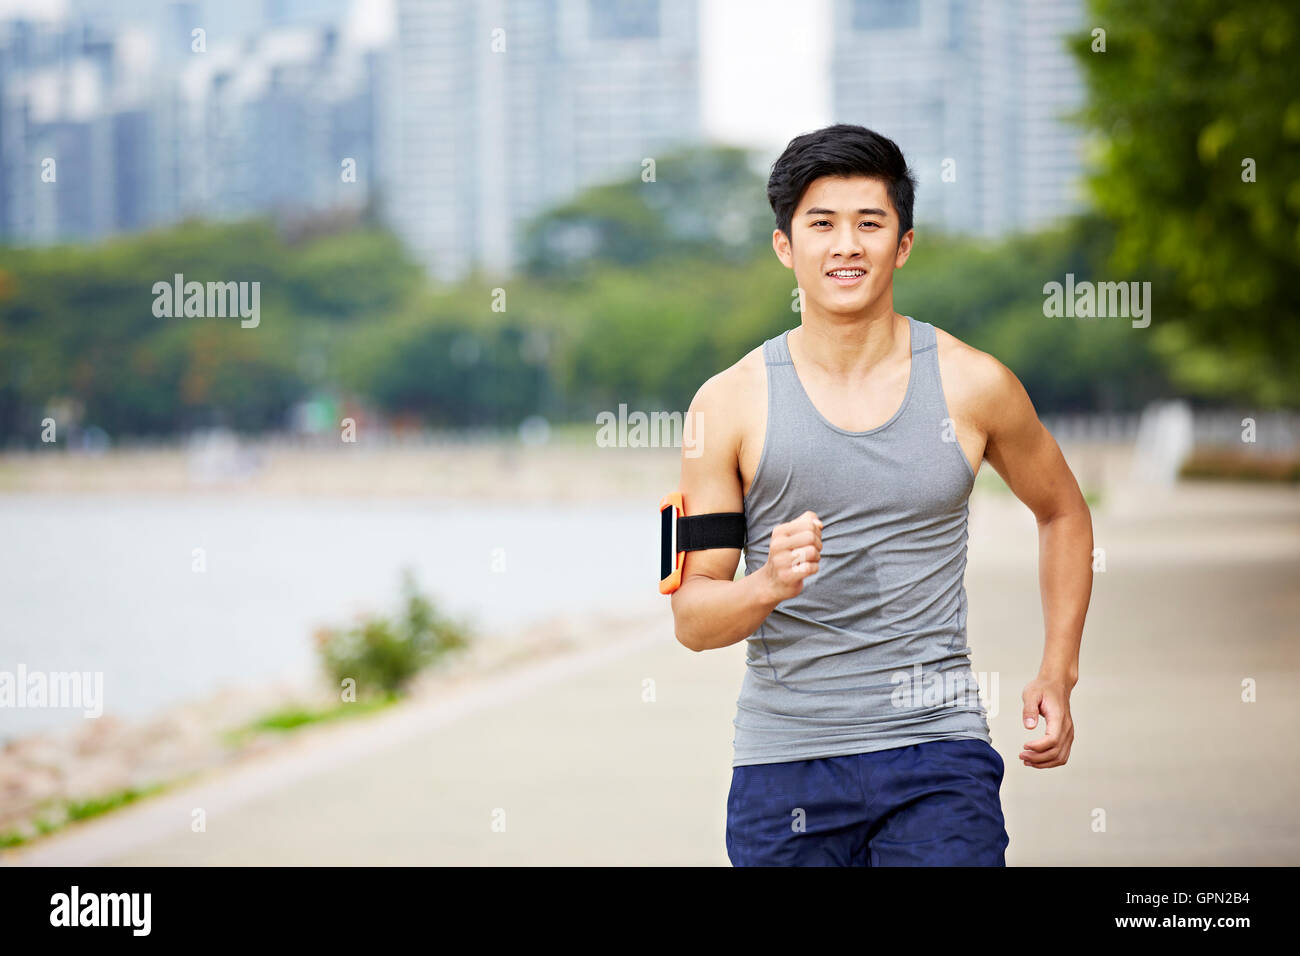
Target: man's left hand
1052,700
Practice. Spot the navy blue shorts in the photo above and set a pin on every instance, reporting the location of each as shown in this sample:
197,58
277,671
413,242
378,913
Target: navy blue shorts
931,804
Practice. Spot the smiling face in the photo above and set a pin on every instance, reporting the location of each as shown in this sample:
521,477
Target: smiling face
847,226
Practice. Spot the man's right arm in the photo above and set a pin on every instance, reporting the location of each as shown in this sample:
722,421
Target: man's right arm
712,608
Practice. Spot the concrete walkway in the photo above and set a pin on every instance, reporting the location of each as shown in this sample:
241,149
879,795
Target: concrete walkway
622,756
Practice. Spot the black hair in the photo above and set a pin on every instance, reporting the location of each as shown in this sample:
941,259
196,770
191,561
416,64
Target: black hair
840,150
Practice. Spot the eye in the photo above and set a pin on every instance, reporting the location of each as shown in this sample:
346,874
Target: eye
865,222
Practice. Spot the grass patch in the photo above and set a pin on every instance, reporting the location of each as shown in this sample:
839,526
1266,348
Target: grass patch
291,718
63,812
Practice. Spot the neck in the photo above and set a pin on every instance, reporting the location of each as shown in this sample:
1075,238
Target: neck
850,347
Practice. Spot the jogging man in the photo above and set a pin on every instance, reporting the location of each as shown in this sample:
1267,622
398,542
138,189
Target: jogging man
851,443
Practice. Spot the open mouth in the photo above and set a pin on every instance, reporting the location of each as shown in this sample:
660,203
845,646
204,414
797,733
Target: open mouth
847,277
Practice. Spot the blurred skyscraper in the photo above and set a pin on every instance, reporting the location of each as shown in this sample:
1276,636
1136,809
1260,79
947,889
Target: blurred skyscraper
119,116
976,88
277,122
123,116
56,119
502,108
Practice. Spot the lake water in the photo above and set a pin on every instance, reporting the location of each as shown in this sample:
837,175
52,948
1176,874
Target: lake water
101,583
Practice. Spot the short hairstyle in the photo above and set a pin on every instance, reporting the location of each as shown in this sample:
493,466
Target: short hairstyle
840,150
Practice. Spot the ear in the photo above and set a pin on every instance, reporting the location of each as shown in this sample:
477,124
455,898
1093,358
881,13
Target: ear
904,248
784,251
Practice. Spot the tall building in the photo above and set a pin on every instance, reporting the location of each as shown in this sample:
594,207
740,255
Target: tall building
503,108
280,119
976,93
59,121
1053,87
112,123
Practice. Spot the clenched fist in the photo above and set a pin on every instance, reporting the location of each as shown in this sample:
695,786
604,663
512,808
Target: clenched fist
793,555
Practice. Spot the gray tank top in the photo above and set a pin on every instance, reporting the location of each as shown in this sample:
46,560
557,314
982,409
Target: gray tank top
872,654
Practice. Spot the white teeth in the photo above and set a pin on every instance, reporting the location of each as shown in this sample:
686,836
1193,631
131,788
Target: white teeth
849,274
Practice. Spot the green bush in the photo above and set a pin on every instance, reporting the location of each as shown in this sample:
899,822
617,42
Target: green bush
383,654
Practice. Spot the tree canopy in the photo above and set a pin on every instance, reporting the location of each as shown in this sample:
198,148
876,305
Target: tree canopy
1197,117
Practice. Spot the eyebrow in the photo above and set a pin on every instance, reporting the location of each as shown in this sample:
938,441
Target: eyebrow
831,212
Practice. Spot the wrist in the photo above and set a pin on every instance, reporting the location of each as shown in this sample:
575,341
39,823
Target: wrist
765,588
1067,678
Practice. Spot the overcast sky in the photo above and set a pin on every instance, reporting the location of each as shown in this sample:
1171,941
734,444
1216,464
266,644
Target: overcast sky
764,71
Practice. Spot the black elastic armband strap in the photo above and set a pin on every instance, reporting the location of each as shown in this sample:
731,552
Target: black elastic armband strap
718,530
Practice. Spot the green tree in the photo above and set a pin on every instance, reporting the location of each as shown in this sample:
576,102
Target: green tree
703,202
1197,118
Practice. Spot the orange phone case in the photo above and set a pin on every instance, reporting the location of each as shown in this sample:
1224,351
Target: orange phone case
671,583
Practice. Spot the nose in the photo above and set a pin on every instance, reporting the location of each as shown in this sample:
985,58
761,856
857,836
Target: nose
847,246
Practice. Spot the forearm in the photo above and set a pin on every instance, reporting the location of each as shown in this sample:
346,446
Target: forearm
1065,580
709,614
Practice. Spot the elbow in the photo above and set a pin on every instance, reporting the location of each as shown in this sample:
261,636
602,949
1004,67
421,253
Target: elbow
683,633
685,640
681,623
1074,510
1084,510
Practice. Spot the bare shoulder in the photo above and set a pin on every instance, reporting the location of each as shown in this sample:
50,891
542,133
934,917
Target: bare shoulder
727,398
747,379
746,373
721,420
975,382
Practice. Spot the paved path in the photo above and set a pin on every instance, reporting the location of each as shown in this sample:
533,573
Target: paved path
1199,594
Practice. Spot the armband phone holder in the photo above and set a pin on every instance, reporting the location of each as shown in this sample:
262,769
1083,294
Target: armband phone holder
679,533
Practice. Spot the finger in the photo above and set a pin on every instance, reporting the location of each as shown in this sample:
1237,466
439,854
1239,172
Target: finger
805,537
1049,739
811,530
809,522
1062,736
1030,710
804,563
806,524
1039,760
1051,721
1042,763
807,558
1041,747
1039,753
